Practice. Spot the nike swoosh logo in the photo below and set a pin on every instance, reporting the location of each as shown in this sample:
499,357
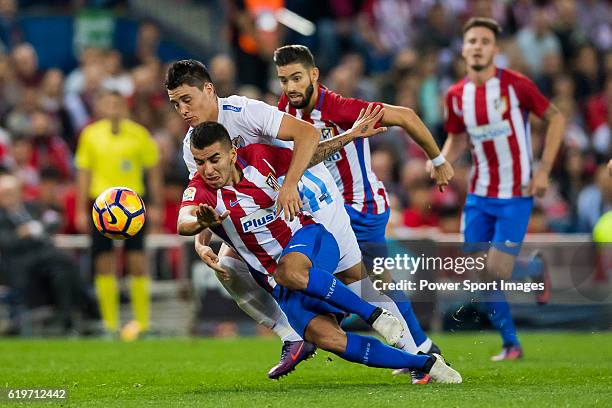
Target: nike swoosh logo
296,245
233,203
295,356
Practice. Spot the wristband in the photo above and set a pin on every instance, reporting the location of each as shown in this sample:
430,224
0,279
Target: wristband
438,161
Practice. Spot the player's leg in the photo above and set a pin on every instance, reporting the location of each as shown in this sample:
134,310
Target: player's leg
370,232
512,218
140,287
324,331
105,279
261,307
305,265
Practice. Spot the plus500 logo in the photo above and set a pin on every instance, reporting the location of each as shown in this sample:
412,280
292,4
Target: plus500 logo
259,218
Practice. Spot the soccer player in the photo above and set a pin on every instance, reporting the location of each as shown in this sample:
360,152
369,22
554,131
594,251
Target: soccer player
234,193
115,151
248,121
489,110
365,198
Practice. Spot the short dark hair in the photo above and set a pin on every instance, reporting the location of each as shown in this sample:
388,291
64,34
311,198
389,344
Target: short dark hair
189,72
208,133
292,54
485,22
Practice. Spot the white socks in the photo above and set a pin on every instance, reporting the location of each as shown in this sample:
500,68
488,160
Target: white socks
254,300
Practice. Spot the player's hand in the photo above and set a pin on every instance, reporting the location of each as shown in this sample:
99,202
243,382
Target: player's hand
367,119
539,183
610,167
442,174
288,201
211,259
208,217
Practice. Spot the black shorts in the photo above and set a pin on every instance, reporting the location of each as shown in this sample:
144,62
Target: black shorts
101,244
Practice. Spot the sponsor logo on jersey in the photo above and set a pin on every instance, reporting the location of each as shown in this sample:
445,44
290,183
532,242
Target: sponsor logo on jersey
258,219
490,131
272,182
232,108
189,194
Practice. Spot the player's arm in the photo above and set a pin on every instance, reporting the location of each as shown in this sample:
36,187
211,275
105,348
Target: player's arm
193,219
408,120
455,145
364,126
554,135
305,139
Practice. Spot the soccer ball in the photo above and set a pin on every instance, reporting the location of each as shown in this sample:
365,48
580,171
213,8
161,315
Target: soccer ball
118,213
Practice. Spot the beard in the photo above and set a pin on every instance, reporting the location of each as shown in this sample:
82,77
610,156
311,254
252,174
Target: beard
306,98
480,67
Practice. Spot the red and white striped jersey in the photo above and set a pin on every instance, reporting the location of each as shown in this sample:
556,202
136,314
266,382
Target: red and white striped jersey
253,229
351,166
495,115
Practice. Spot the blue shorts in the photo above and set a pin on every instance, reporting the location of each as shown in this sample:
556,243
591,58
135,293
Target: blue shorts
498,221
321,248
370,232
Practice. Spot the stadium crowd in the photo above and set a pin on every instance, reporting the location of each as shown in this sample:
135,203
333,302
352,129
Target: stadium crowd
402,52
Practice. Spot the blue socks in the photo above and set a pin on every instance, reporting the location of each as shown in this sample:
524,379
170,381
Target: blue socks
498,312
373,353
527,268
323,285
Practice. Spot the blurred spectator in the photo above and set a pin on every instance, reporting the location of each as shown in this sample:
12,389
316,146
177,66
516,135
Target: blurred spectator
80,105
19,120
116,77
587,76
147,45
11,32
170,142
223,72
49,150
51,100
594,18
148,103
25,62
75,81
566,28
37,270
538,40
386,26
599,119
22,167
255,36
594,200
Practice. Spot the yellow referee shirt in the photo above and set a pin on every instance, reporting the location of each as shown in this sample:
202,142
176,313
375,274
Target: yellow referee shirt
116,159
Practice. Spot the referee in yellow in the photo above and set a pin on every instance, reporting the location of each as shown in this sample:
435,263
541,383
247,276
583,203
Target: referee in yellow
116,151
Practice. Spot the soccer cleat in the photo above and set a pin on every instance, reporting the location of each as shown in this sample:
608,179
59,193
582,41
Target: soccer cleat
509,353
417,376
542,297
387,325
292,354
441,372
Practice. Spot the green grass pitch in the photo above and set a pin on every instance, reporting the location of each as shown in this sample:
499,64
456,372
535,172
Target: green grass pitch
559,369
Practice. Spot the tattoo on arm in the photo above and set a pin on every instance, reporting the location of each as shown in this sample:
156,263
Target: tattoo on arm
330,146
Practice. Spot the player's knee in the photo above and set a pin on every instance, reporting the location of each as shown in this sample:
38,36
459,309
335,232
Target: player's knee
291,273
